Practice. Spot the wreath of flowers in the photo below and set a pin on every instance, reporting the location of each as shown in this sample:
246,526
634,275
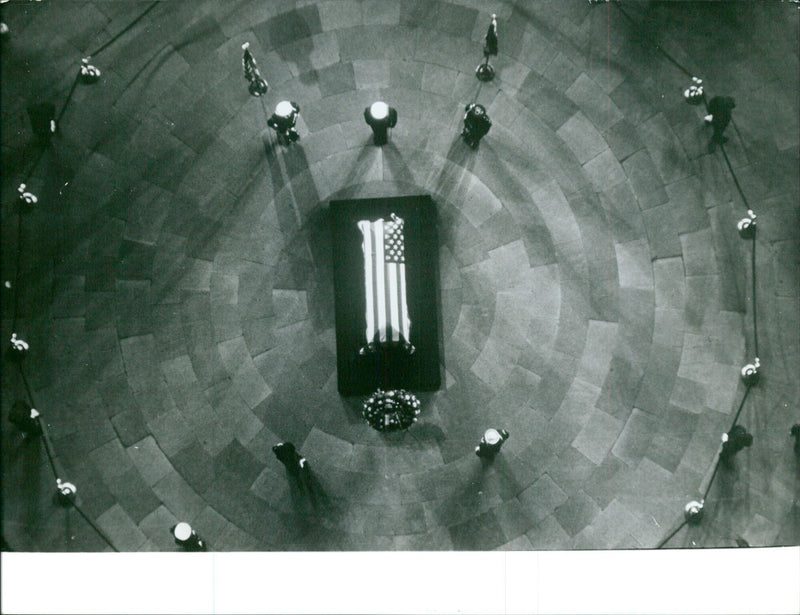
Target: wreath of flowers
391,410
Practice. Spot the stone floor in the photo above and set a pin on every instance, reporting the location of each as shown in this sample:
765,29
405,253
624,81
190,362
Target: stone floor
175,279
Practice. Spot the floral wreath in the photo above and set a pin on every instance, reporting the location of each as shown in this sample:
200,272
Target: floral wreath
391,410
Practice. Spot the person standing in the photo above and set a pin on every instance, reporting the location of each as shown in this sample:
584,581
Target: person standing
186,537
719,116
89,73
287,454
19,347
43,120
25,418
490,443
490,41
66,492
283,121
484,71
258,85
476,124
380,118
734,441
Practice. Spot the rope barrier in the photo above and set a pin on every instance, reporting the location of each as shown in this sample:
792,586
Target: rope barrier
755,303
669,536
673,61
124,30
49,449
48,445
654,43
733,175
51,457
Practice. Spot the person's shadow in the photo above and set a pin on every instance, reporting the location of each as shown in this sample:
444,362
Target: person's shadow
308,496
290,35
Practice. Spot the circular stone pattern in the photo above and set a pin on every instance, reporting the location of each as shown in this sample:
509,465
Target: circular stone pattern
175,279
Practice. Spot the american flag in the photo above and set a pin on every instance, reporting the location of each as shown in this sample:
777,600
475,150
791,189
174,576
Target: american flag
385,280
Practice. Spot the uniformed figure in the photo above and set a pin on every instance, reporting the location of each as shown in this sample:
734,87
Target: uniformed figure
380,118
187,538
43,120
490,443
19,347
750,372
747,226
283,121
89,73
25,196
287,454
25,418
485,72
258,85
734,441
476,124
795,431
65,492
719,116
694,93
693,512
490,46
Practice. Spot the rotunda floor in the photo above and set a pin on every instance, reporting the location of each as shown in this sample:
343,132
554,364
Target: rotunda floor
175,280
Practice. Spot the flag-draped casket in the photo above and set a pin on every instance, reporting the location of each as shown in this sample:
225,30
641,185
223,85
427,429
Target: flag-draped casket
386,313
386,284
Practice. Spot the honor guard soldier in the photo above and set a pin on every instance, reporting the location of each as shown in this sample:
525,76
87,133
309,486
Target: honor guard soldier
476,124
89,73
287,454
485,72
490,443
734,441
719,116
283,121
26,197
65,492
25,418
795,431
19,347
380,118
43,120
187,538
258,85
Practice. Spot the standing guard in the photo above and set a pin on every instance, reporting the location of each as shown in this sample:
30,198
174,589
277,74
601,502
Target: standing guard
187,538
43,121
283,122
89,73
19,347
294,462
485,72
380,118
476,124
733,442
25,418
490,443
66,492
258,85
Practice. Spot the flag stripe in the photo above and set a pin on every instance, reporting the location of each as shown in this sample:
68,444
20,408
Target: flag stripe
380,280
384,279
394,321
366,231
405,322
